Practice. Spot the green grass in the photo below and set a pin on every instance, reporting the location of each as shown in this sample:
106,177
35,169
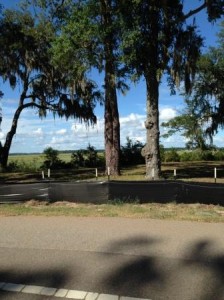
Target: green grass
199,171
170,211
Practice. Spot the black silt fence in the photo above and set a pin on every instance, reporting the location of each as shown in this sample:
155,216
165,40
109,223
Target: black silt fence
13,193
83,192
167,191
102,192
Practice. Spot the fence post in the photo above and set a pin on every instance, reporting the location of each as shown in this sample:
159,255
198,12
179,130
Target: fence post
108,173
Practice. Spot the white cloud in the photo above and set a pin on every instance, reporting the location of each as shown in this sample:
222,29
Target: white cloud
132,126
132,119
167,114
2,135
38,132
61,132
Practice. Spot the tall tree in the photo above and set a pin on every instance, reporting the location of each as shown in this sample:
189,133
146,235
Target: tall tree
91,32
191,124
111,115
208,89
26,61
157,41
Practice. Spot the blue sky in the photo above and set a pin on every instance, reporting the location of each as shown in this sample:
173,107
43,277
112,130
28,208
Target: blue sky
34,134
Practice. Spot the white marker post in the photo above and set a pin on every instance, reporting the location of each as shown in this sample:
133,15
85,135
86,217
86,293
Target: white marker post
49,173
153,173
108,173
96,174
215,174
42,174
175,173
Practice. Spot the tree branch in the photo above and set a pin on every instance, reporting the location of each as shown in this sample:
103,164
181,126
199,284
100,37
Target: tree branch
195,11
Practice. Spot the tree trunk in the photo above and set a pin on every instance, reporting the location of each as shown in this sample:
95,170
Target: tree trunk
4,150
151,150
111,114
112,125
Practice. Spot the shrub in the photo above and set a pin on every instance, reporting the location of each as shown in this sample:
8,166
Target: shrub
131,153
162,152
218,155
185,156
207,155
13,166
22,166
77,158
51,159
172,156
91,157
198,155
86,158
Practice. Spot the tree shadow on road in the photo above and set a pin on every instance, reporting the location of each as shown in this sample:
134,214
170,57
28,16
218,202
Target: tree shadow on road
201,256
137,271
152,276
55,278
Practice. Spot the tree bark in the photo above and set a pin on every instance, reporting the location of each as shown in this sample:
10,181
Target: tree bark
151,150
111,114
4,151
112,124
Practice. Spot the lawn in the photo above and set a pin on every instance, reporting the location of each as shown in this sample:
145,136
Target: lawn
188,171
170,211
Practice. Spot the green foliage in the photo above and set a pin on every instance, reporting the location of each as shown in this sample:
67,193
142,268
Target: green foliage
218,155
171,156
26,60
208,89
52,160
162,152
90,37
86,158
198,155
91,156
191,126
131,153
77,158
22,166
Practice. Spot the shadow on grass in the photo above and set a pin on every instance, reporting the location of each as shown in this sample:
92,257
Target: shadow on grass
186,170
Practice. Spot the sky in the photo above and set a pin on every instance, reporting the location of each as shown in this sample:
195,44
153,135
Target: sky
34,135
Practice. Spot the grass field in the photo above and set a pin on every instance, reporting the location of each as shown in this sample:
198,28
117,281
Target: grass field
171,211
35,159
189,171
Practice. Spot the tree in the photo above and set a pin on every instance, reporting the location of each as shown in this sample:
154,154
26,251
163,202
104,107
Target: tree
51,156
191,124
111,115
208,90
131,153
157,41
91,156
91,31
26,61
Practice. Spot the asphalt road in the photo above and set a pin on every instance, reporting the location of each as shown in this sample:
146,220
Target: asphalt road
137,258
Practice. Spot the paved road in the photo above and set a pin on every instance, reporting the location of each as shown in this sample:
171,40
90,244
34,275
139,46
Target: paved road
137,258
